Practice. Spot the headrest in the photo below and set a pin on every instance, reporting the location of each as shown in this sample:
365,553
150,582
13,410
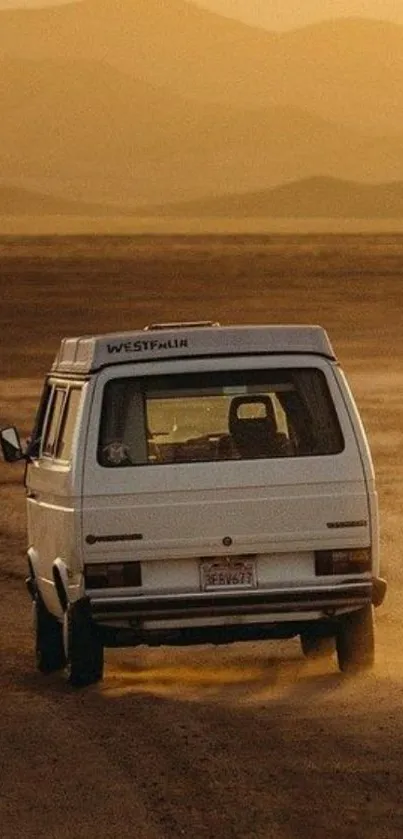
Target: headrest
235,420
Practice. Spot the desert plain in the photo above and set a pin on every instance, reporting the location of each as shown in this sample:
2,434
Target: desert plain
237,742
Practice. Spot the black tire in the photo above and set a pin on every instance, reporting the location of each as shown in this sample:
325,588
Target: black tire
314,645
355,641
83,646
48,634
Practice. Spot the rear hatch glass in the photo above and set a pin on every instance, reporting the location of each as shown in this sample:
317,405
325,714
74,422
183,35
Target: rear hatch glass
217,416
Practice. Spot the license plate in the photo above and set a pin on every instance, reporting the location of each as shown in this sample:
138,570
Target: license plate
223,573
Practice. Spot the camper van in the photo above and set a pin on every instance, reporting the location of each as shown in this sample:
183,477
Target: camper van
194,483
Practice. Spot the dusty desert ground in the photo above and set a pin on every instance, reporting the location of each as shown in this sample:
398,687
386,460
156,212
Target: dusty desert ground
240,742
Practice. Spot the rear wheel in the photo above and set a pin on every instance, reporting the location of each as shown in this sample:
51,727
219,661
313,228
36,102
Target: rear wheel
355,640
83,646
48,634
315,645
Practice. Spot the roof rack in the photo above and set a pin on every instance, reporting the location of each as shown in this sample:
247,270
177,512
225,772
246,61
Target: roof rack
193,324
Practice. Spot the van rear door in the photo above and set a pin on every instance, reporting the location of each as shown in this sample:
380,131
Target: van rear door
247,456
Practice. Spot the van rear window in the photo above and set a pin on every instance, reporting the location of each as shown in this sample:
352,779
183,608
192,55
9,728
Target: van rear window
233,415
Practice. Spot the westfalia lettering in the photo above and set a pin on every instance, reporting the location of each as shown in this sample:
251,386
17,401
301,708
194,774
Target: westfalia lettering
143,346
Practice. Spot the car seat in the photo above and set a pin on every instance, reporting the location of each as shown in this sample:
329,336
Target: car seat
256,436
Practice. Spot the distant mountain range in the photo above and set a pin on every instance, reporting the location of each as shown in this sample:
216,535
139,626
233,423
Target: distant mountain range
272,14
317,197
93,134
346,71
116,102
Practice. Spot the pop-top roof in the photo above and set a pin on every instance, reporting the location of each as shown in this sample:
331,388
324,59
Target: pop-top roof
167,341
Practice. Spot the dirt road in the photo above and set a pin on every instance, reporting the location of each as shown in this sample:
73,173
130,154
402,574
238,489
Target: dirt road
244,742
239,742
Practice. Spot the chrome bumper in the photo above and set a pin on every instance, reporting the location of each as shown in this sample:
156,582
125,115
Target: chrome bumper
326,599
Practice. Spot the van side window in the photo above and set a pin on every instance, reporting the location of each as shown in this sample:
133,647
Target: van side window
53,422
37,431
68,424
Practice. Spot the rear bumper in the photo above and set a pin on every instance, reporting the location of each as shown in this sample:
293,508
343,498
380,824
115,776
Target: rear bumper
324,599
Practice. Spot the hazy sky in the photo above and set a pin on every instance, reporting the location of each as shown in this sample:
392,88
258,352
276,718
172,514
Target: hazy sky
275,14
13,4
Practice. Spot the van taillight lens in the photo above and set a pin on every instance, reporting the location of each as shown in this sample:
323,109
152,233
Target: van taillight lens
343,561
112,575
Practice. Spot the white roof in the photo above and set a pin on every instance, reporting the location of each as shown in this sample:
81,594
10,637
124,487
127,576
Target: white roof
166,341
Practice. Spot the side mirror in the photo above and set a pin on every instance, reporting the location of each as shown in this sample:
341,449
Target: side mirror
11,445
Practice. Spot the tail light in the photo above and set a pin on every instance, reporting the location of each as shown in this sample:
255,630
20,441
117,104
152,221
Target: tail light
343,561
113,575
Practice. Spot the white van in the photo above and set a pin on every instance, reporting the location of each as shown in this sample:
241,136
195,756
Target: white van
192,483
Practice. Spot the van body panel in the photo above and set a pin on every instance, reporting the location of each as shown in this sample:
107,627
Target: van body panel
268,521
54,500
367,465
54,525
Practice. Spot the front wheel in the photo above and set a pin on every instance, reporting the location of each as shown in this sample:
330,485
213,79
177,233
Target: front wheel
355,640
48,635
83,647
